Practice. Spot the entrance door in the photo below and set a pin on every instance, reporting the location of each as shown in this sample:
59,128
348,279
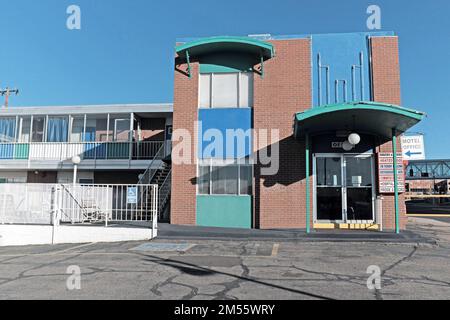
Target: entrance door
358,191
344,188
329,188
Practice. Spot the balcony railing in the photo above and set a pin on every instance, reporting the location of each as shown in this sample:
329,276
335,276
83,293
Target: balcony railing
64,151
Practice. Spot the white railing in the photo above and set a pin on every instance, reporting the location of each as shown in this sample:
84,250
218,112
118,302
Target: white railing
106,203
26,203
64,151
57,203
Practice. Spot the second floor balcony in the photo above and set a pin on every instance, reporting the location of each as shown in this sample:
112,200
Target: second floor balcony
64,151
98,134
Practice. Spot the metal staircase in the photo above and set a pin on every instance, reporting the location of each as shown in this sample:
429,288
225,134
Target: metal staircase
161,176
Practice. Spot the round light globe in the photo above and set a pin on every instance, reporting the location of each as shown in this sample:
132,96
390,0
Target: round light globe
347,146
354,139
76,159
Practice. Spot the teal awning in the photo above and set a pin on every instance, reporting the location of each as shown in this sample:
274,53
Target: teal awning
206,46
364,117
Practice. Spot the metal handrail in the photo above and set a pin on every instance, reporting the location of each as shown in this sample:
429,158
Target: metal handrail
163,195
150,173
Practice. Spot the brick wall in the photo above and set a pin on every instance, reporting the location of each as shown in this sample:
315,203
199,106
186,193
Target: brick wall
183,198
386,88
286,89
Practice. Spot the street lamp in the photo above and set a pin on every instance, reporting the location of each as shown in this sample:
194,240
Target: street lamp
76,161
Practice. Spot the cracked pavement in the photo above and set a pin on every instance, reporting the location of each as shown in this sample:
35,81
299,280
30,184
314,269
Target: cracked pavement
234,269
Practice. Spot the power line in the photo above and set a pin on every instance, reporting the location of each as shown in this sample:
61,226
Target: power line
7,92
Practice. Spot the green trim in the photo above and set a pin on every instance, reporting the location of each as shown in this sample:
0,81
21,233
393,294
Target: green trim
22,151
397,208
363,105
368,117
224,211
188,60
308,205
216,68
242,42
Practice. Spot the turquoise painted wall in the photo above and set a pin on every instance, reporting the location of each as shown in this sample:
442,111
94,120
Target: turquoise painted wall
224,211
227,62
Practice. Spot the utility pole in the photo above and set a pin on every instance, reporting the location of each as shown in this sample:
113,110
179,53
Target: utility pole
7,92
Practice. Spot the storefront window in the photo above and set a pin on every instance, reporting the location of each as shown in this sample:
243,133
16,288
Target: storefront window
225,179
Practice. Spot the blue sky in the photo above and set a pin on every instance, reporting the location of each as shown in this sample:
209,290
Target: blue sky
124,51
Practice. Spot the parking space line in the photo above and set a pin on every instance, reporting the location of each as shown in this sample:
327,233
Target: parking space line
71,248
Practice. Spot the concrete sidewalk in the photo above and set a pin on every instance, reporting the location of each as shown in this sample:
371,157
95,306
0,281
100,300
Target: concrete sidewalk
168,231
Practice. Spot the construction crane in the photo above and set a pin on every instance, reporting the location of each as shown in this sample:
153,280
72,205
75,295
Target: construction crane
7,92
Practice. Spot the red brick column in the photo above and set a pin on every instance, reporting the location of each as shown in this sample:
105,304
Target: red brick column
185,115
386,88
279,200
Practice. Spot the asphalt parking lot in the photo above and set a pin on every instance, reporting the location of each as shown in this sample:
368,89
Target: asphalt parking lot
232,269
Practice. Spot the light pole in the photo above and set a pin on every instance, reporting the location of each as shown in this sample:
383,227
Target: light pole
76,161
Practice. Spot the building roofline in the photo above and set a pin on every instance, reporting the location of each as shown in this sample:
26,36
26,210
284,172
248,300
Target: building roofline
265,37
88,109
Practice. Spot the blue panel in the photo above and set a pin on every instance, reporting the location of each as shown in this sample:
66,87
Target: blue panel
6,151
225,133
346,57
95,151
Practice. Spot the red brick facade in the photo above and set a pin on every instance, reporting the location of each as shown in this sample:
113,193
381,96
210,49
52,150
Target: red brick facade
279,200
185,115
285,90
386,88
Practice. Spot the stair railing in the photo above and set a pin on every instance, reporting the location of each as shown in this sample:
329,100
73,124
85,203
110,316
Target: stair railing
148,175
164,192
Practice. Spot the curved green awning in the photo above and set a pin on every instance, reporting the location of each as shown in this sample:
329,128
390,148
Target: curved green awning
205,46
368,117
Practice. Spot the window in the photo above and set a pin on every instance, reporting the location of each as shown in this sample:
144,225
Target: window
57,129
224,179
38,129
121,130
25,125
77,129
7,129
226,90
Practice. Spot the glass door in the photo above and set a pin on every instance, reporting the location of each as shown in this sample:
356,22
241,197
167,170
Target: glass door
329,188
358,188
